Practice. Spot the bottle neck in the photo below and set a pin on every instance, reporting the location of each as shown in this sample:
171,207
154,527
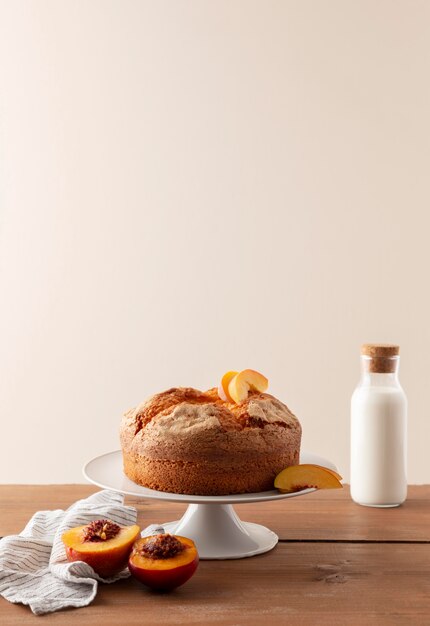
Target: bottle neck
380,371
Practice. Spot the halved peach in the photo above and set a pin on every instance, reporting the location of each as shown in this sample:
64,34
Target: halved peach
242,383
306,476
152,564
223,386
102,544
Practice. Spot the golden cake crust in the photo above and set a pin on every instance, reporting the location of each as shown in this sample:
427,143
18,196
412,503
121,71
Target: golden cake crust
187,441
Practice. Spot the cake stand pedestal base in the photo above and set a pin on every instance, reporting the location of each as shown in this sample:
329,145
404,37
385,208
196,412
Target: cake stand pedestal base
218,532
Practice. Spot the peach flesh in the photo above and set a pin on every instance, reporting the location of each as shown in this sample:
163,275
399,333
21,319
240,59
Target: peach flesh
306,476
107,558
245,381
164,574
223,386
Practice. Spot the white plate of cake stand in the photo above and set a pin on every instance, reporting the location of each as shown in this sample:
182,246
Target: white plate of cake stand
210,521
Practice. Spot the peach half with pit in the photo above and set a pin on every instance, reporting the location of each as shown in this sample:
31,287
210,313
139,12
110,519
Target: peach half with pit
163,562
306,476
103,544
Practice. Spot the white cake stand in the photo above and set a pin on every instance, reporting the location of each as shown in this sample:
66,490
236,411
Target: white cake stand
210,521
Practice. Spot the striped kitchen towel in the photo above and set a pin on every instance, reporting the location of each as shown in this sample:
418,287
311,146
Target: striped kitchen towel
33,565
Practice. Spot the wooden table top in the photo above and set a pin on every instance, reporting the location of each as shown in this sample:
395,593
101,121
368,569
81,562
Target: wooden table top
336,564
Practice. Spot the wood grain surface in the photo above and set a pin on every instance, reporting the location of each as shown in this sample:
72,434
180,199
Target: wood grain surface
322,515
337,564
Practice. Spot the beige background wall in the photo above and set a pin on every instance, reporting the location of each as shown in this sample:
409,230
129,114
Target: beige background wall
194,186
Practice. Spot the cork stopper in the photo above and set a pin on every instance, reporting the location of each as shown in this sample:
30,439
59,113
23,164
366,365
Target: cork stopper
382,357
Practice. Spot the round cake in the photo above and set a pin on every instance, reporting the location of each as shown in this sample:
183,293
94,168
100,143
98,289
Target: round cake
192,442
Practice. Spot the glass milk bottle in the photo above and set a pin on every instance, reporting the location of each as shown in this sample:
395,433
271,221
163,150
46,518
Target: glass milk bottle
378,430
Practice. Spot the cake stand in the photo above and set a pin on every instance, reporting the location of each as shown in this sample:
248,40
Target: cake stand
210,521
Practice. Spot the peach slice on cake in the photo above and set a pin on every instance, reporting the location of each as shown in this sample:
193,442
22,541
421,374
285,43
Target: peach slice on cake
223,386
306,476
102,544
245,381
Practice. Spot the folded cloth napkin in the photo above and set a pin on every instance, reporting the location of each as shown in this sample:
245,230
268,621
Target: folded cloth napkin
33,565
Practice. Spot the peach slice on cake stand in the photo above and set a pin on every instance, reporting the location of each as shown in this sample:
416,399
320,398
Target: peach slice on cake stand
307,476
210,521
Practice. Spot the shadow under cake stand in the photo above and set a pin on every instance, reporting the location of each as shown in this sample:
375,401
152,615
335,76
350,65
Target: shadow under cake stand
210,521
